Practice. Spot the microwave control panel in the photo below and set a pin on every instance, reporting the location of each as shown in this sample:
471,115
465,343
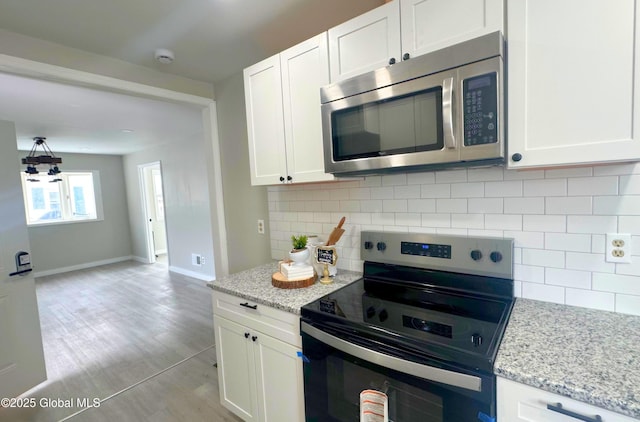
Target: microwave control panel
480,95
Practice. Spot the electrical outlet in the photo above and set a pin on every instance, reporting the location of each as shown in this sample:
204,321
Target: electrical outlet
261,226
618,248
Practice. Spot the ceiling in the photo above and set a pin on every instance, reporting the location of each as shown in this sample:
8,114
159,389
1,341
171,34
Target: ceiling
211,40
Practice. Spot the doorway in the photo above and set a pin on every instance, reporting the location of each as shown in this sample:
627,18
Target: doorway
153,209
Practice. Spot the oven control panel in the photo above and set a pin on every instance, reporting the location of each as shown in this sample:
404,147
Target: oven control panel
463,254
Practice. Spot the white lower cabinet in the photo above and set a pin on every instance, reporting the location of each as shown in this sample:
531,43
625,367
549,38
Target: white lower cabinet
259,374
519,402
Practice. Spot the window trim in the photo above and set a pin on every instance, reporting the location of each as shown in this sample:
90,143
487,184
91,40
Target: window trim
97,193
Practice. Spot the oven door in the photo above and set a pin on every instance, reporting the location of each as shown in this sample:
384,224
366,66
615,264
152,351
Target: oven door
336,370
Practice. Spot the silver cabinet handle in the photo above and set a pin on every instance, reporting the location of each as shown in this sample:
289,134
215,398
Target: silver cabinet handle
447,113
430,373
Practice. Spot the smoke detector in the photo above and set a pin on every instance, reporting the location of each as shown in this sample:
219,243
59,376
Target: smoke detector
164,56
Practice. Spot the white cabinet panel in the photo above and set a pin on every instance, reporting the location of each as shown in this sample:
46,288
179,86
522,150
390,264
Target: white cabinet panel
572,71
521,403
429,25
365,43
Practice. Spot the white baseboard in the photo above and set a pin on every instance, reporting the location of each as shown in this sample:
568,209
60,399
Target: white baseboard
193,274
140,259
161,251
82,266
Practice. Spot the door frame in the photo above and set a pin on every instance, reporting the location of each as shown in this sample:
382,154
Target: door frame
144,181
39,70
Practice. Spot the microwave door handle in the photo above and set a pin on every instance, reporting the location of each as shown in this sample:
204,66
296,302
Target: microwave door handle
447,113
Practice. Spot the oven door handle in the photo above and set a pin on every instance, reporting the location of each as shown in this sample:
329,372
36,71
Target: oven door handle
430,373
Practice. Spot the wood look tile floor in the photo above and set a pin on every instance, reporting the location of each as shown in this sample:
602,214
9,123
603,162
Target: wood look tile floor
134,336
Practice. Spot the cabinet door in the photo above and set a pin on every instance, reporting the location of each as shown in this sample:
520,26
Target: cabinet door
305,68
572,70
236,369
429,25
265,123
365,43
521,403
279,379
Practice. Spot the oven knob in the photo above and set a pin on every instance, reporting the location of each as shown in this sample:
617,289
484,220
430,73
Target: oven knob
476,255
381,246
371,311
368,245
476,339
496,256
383,315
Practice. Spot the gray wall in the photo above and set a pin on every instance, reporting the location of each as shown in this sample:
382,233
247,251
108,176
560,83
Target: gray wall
76,244
186,199
243,204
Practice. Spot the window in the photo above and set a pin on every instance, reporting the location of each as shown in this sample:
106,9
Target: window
71,198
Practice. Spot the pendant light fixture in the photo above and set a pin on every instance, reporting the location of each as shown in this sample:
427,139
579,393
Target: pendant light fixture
48,157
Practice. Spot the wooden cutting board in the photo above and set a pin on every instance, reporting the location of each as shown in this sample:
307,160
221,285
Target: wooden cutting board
280,281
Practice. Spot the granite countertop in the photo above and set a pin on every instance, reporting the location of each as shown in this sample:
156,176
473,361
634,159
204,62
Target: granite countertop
585,354
255,285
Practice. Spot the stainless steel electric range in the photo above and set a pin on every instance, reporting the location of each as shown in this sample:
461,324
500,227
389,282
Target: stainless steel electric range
422,326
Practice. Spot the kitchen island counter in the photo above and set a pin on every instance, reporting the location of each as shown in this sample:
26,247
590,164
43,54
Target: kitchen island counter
255,285
585,354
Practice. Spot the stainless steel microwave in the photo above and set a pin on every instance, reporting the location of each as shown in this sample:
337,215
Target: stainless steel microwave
442,109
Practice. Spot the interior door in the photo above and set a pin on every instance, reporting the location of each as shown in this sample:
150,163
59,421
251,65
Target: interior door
21,356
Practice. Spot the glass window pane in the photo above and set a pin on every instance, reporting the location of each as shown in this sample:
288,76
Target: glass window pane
83,205
42,199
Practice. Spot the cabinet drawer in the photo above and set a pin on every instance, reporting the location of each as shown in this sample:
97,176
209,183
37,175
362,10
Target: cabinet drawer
279,324
519,402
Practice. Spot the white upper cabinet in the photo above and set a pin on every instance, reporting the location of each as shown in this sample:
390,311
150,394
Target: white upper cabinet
429,25
403,29
366,42
282,96
572,72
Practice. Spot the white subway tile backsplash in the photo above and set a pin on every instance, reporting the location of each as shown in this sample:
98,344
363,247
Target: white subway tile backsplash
567,242
558,218
615,283
486,205
394,179
451,176
629,224
627,304
616,205
421,178
546,187
435,191
569,205
533,240
406,192
568,172
590,299
543,258
394,205
589,262
382,193
524,205
630,185
580,186
467,190
568,278
544,223
528,273
503,222
451,205
485,174
592,224
468,221
503,189
543,292
421,205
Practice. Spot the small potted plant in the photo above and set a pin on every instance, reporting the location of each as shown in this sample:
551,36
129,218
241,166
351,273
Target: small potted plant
299,254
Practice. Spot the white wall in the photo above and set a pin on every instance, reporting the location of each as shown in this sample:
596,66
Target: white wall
67,246
558,218
186,196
